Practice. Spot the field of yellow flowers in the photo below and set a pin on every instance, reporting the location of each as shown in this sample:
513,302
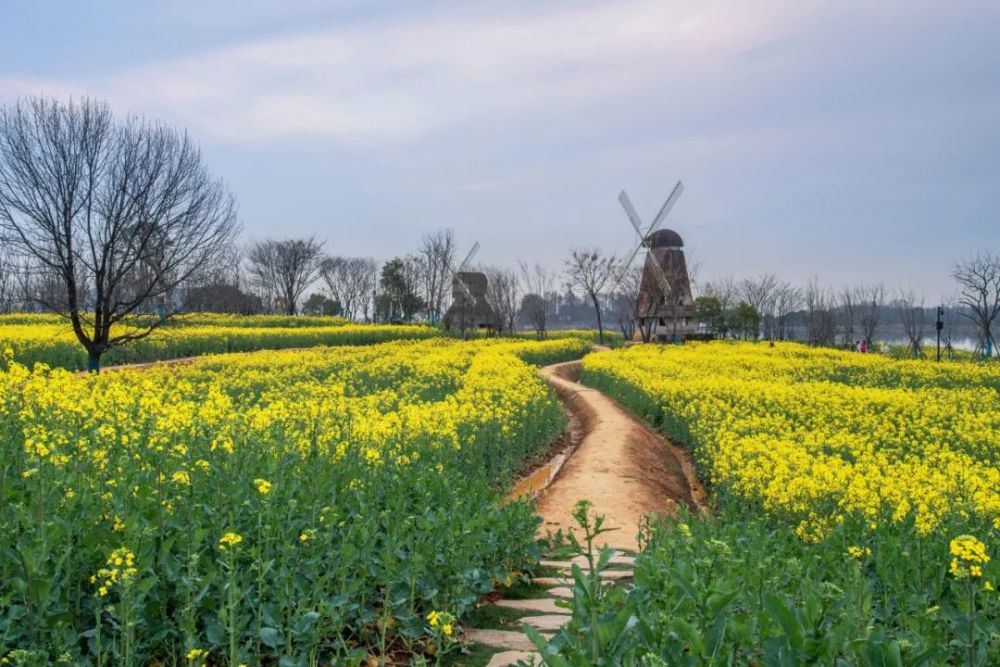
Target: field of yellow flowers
49,340
305,507
856,508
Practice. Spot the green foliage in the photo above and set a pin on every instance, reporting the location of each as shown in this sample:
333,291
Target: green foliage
341,545
739,588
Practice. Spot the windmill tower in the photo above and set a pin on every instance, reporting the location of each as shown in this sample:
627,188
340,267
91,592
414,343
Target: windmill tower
469,308
664,308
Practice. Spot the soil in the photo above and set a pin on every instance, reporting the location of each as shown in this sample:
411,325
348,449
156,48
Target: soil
621,465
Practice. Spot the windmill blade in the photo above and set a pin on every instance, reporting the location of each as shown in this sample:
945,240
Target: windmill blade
468,258
462,285
665,209
630,212
626,266
457,280
658,275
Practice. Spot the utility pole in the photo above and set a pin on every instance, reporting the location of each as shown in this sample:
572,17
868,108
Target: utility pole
940,325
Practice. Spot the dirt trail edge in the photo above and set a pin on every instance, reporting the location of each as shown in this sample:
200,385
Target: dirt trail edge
621,465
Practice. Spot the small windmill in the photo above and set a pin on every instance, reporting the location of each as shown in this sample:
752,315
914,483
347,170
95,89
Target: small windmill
664,289
469,307
456,274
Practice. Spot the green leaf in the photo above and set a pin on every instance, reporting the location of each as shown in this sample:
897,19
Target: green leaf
776,608
270,637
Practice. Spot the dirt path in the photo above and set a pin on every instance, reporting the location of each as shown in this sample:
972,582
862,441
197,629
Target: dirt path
621,465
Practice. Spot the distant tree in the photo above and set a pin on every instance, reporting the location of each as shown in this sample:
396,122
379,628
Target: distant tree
319,304
913,315
533,312
871,301
787,299
115,216
590,270
727,290
848,315
285,268
708,311
537,282
820,323
8,280
745,321
223,298
625,299
979,291
437,254
502,293
759,293
399,298
351,282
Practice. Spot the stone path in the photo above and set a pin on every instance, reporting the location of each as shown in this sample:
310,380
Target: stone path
545,614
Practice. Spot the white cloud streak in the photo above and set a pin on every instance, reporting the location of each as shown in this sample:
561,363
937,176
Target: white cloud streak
391,82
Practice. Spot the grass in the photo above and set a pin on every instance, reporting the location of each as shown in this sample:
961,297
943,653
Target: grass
527,590
472,655
492,617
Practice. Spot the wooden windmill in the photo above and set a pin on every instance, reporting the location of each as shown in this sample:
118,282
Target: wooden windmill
664,308
469,308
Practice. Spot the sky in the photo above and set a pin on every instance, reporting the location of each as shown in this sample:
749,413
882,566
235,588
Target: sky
853,142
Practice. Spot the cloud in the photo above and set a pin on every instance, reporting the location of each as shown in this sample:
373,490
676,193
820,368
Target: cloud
391,81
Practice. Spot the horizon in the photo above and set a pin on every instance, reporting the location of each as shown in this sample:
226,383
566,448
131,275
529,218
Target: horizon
851,143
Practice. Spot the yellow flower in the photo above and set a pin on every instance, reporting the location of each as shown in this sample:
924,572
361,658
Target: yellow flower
987,586
263,486
859,552
181,477
446,629
196,654
230,540
969,555
432,618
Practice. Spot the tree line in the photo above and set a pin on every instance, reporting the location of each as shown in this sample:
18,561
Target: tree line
103,219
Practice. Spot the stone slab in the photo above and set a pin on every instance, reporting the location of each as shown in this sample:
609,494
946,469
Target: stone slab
561,592
542,606
508,658
505,639
548,622
616,559
608,577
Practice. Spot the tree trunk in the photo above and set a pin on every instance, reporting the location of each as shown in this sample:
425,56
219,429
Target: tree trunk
94,360
600,326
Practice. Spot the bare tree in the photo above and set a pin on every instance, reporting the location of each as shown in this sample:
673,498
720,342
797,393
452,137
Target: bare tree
590,270
871,301
438,255
787,299
537,283
979,291
820,323
913,316
625,299
848,315
8,280
120,213
727,291
350,281
759,293
285,268
502,293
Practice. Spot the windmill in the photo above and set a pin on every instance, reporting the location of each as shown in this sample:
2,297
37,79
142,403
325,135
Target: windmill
469,307
664,304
